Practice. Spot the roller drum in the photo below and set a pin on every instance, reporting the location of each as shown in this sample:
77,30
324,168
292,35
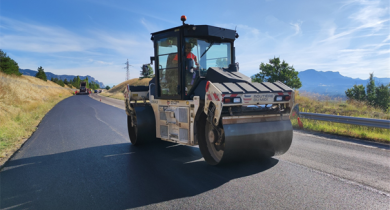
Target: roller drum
246,140
145,128
264,139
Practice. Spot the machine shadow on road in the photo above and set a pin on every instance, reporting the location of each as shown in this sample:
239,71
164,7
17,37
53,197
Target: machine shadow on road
116,176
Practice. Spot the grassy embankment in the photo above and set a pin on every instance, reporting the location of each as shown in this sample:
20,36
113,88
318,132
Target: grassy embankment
338,107
117,91
24,101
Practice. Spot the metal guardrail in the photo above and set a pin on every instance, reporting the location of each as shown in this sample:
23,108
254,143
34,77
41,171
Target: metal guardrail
347,120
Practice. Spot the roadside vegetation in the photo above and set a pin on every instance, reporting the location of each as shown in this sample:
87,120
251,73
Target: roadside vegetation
24,101
311,103
373,94
117,90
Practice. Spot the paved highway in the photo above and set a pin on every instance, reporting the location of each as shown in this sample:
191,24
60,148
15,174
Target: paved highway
80,157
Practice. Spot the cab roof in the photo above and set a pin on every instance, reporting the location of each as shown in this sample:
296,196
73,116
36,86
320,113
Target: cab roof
202,31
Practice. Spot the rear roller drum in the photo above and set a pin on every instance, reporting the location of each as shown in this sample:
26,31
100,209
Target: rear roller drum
141,125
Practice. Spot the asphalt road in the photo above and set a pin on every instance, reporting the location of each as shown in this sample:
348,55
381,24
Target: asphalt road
81,158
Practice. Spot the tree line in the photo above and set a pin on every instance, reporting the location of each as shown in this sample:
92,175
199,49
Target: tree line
75,82
372,94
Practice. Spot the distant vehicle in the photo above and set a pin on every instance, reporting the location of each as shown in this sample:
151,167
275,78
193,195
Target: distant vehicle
83,88
100,91
95,91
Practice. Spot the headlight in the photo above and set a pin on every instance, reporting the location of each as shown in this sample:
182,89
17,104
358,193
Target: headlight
237,100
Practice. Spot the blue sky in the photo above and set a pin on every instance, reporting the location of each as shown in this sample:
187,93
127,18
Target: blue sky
97,37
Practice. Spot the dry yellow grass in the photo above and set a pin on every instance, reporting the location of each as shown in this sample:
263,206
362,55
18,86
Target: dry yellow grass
117,91
24,101
133,82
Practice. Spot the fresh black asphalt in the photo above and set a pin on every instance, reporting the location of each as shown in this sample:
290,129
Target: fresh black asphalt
80,157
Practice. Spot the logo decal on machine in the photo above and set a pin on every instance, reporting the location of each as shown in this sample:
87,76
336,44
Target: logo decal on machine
263,97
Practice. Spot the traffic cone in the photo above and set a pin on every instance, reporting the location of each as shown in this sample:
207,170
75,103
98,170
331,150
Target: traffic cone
300,123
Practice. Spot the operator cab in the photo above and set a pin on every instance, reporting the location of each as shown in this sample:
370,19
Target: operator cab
183,55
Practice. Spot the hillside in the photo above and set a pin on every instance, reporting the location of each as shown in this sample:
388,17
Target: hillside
50,75
117,91
133,82
24,101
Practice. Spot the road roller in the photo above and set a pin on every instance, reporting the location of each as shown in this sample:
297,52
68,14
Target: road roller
199,97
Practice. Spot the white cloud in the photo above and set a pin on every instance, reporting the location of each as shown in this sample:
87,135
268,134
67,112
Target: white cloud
387,39
35,38
97,53
370,14
297,27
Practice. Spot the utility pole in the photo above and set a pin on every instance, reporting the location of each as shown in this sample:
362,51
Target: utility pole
127,70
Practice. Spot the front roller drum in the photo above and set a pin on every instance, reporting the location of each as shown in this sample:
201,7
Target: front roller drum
254,140
141,125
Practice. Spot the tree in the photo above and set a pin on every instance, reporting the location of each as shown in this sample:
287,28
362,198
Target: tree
357,92
371,90
378,96
61,83
93,85
87,83
382,99
276,71
8,65
78,81
107,87
41,74
146,71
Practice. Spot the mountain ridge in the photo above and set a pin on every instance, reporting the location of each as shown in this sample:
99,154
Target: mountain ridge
331,83
50,75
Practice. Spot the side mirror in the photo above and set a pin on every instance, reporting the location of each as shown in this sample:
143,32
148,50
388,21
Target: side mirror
234,67
152,59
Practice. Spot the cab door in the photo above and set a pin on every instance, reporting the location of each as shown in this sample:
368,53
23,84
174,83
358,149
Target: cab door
168,58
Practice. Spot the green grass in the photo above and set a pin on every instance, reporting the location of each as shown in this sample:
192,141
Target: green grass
361,132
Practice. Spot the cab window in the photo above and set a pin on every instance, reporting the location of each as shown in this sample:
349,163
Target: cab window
168,66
